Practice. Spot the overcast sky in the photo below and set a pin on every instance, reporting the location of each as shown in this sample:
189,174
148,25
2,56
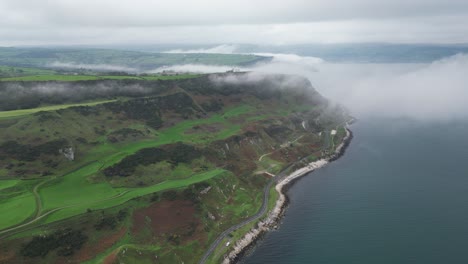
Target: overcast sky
33,22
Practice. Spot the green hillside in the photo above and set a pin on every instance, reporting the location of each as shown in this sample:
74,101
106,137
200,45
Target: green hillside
149,166
113,60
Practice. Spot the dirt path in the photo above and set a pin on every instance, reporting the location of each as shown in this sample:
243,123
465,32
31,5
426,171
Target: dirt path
37,197
282,146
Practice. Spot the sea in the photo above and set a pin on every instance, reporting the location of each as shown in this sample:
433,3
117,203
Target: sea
398,195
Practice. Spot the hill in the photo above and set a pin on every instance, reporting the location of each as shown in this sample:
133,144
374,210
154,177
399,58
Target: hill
138,170
111,60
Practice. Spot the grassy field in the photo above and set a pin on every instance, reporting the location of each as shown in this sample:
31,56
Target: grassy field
8,71
67,192
22,112
244,197
41,57
16,209
73,78
4,184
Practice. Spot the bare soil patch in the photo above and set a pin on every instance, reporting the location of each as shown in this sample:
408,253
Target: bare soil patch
89,250
168,219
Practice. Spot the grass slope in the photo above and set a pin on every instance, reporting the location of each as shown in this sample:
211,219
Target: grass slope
7,71
4,184
16,210
22,112
81,193
67,192
45,57
72,78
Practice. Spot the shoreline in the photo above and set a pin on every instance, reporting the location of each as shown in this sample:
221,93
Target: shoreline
274,216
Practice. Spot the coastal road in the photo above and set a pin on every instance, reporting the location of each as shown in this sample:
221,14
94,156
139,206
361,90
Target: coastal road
260,213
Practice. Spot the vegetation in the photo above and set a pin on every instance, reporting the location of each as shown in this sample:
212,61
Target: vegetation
66,241
18,113
79,77
129,60
159,168
179,153
6,71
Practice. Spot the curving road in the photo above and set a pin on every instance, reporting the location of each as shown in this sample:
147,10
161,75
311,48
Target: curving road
260,213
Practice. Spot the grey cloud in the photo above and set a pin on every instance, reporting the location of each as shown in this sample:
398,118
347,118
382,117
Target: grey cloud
145,13
194,68
434,91
220,49
97,67
65,22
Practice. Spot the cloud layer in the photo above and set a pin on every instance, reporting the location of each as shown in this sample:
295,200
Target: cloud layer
95,67
221,49
434,91
65,22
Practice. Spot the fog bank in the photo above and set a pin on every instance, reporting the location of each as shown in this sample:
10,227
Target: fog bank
435,91
422,91
94,67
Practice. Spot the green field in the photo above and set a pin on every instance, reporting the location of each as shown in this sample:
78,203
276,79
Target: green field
66,192
8,71
17,209
142,61
62,197
73,78
22,112
4,184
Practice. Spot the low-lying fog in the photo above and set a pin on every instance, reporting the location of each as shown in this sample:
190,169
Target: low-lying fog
434,91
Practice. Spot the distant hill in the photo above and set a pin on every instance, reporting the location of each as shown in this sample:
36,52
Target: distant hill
113,60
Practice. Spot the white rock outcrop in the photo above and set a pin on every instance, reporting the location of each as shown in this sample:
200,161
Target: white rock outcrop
68,152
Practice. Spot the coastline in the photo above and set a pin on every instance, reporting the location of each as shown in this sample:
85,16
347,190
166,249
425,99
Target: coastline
274,216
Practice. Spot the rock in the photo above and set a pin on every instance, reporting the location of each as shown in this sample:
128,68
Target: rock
206,190
68,152
211,216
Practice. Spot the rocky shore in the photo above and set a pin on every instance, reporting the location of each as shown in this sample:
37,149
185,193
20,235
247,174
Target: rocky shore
248,240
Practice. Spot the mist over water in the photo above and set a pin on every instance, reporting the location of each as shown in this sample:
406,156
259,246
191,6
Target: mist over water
433,91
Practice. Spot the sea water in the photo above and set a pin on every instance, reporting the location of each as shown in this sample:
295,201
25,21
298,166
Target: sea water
398,195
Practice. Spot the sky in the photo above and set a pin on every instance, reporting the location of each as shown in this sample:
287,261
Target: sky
435,90
273,22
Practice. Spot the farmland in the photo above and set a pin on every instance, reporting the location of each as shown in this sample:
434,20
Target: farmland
79,59
74,78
